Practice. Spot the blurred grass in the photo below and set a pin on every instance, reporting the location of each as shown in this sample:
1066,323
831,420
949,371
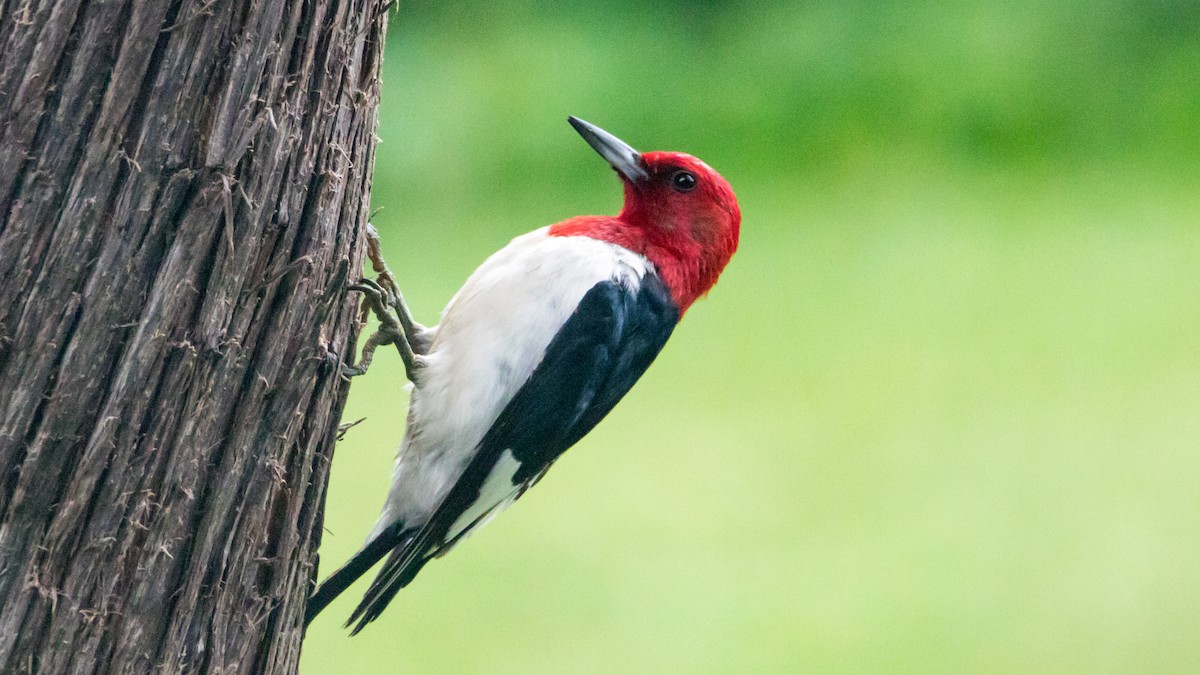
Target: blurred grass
940,414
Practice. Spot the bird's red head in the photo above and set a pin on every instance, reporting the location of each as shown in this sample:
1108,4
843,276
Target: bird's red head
679,213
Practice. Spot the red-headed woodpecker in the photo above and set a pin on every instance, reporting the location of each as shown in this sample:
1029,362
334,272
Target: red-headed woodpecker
534,350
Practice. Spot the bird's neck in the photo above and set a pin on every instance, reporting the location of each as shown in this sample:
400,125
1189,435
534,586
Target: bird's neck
685,266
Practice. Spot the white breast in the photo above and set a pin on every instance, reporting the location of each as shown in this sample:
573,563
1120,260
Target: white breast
493,334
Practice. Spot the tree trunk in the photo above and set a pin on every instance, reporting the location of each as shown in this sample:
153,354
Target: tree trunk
183,196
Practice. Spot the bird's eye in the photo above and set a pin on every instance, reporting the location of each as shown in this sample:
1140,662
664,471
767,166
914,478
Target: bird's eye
683,181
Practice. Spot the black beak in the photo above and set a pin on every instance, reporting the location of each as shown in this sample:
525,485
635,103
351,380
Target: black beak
627,161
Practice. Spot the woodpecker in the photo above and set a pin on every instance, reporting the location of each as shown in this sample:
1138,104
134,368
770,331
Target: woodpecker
536,348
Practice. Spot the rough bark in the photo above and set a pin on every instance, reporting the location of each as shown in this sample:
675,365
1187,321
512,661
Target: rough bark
183,194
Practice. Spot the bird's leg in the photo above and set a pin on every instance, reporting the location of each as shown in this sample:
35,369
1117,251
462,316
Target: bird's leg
390,332
419,336
383,298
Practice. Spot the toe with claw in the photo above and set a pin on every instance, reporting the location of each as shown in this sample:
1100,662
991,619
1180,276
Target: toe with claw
391,331
396,324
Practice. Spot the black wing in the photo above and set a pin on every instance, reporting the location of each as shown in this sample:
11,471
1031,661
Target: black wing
593,361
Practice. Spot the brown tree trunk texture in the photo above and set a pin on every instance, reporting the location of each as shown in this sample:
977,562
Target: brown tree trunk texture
183,196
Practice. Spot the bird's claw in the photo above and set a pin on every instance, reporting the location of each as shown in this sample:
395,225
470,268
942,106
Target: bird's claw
385,305
368,287
396,326
375,298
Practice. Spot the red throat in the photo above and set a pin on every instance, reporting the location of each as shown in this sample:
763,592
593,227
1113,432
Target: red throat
688,267
689,235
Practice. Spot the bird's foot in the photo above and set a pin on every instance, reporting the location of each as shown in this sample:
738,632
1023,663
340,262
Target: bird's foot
388,332
396,325
380,302
419,337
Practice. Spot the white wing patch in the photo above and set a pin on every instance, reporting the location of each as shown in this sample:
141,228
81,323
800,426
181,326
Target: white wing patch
496,494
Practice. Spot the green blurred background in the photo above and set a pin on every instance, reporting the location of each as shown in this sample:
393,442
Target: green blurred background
942,412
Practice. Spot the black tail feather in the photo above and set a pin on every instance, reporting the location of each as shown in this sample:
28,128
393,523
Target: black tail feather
354,568
400,569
